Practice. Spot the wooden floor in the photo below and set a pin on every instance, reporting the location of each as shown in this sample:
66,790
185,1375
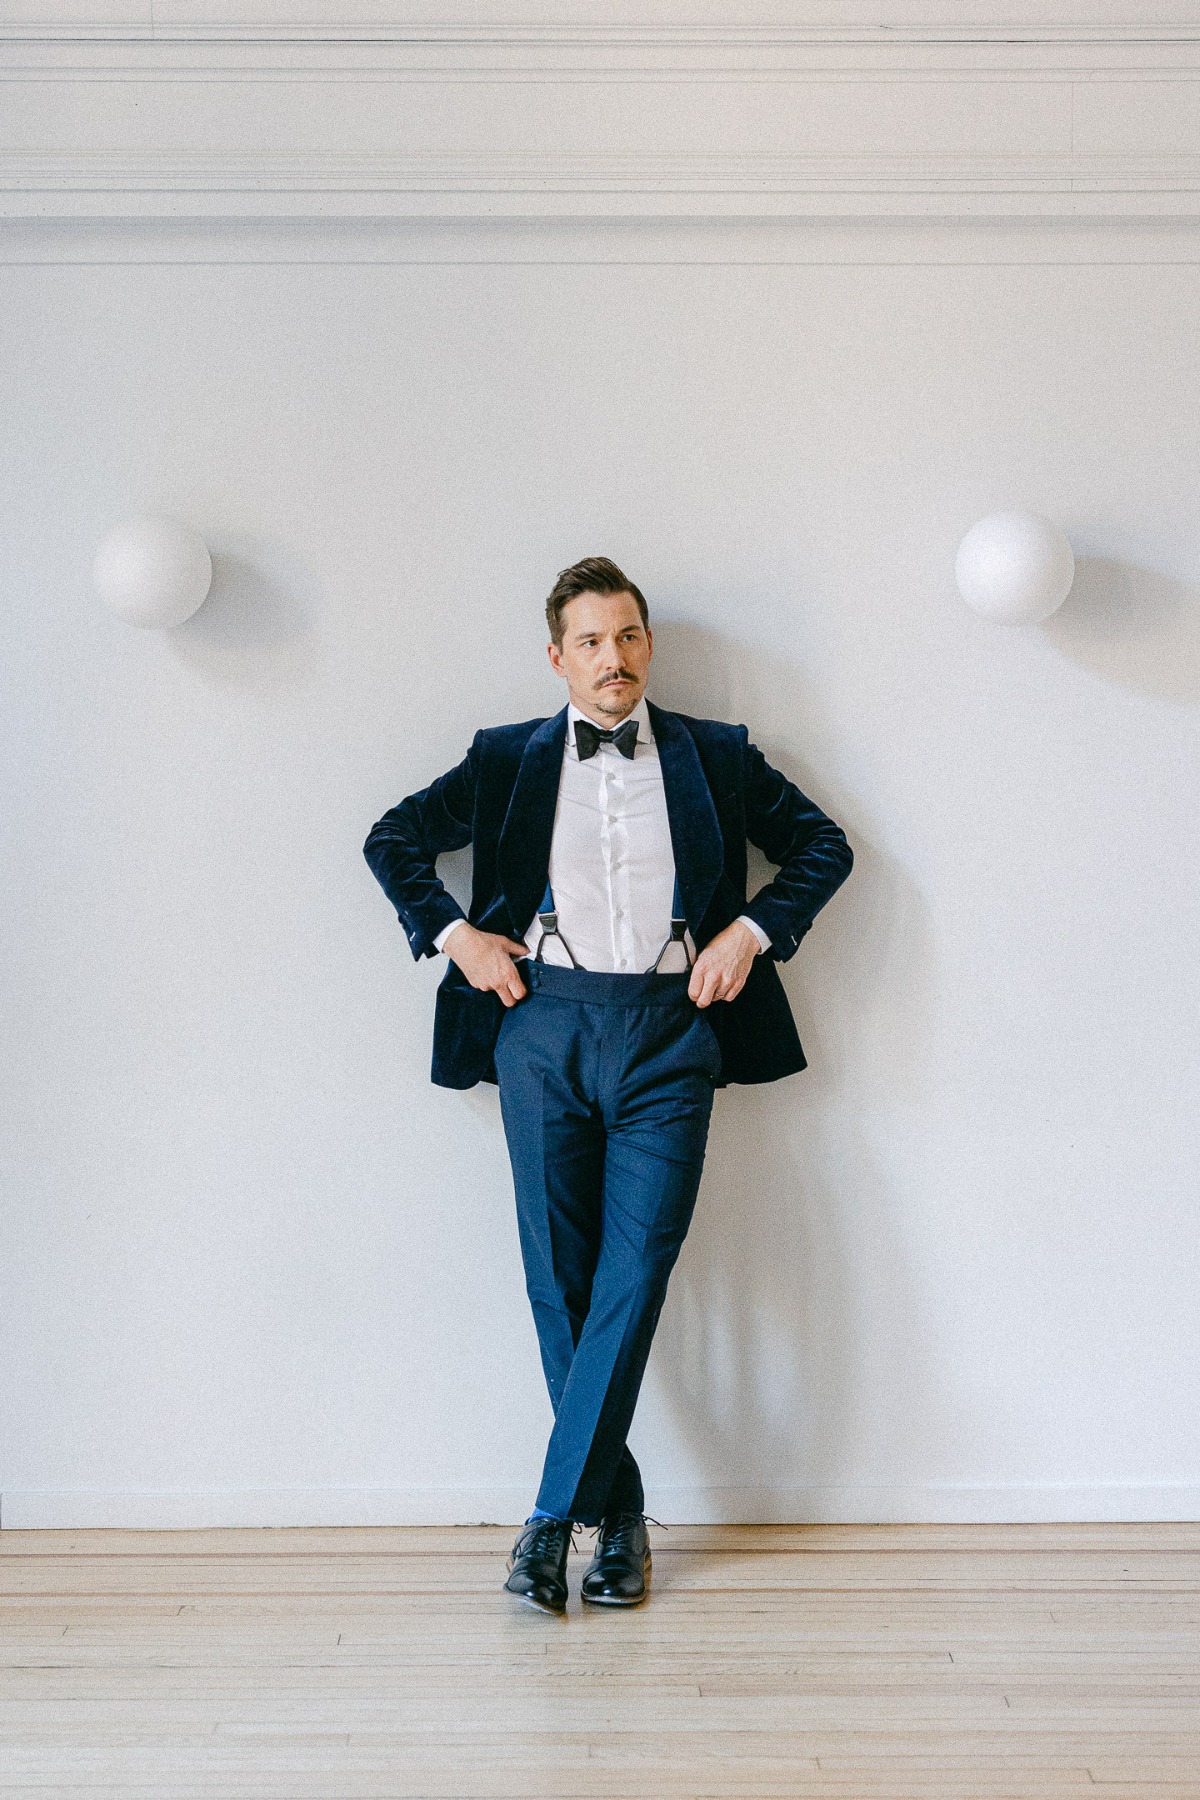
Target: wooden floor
973,1660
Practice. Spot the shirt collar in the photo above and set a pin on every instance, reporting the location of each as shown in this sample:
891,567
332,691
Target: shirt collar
640,712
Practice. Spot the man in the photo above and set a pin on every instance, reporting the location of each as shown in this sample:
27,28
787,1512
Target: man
610,974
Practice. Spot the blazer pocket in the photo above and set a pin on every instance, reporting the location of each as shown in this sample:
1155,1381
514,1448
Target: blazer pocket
466,1022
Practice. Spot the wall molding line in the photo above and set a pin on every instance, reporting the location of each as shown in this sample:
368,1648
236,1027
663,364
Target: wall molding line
169,184
521,55
725,243
847,118
485,1504
742,33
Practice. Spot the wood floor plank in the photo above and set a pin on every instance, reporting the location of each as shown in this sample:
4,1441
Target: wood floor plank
355,1663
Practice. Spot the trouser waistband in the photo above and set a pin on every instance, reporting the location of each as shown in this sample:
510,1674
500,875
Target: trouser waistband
597,987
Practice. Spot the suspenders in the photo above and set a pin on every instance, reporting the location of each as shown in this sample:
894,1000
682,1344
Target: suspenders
548,919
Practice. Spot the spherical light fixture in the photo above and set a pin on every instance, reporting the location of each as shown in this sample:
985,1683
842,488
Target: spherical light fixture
1015,568
152,571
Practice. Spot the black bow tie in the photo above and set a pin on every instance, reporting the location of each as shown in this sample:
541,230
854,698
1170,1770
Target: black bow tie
588,738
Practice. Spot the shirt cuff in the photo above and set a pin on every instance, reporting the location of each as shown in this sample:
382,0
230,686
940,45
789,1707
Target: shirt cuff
444,933
764,942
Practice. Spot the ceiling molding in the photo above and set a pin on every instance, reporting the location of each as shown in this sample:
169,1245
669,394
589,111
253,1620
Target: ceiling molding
205,185
863,243
462,122
294,59
883,25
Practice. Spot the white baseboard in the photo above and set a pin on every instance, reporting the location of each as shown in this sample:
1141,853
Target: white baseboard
927,1503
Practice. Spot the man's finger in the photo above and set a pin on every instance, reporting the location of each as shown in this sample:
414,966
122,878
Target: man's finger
510,987
515,949
708,988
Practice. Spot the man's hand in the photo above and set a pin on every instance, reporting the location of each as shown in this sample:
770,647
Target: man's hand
487,961
722,966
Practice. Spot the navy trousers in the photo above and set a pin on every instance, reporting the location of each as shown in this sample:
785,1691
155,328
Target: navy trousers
606,1089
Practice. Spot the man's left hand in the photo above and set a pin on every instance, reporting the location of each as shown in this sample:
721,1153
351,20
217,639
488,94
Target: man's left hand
720,970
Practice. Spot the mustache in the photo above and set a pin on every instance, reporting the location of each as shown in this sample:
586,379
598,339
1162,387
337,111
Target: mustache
625,674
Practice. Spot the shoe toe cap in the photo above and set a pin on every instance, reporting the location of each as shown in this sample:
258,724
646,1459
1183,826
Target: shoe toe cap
614,1584
545,1594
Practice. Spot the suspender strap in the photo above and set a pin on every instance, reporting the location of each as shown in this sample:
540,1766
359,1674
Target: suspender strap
548,919
678,933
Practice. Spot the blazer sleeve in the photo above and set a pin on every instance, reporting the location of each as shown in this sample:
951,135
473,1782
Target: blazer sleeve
402,849
812,853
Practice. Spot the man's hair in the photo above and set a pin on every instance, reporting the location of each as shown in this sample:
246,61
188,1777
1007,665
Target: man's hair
594,575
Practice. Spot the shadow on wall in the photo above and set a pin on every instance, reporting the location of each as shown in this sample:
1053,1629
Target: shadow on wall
1135,627
256,629
796,1258
796,1270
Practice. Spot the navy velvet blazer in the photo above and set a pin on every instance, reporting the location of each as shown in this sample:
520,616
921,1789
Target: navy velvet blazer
501,799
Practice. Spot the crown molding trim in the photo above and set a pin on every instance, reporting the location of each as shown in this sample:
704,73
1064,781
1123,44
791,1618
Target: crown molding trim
763,121
647,242
844,24
741,52
157,184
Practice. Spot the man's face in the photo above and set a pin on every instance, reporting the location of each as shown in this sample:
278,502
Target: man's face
605,655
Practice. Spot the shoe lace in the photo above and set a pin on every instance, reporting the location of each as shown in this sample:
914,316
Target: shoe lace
617,1531
542,1537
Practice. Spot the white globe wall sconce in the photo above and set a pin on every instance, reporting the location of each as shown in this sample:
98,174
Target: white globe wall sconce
1015,568
152,571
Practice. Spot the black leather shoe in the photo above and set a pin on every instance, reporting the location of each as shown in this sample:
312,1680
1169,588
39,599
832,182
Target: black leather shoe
619,1572
538,1564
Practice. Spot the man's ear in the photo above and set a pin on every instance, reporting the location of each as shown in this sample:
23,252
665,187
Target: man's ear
555,654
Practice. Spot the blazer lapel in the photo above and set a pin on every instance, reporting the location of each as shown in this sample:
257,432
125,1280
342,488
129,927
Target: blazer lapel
695,830
523,848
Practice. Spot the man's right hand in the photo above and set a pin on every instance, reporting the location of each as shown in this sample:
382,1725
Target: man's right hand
487,961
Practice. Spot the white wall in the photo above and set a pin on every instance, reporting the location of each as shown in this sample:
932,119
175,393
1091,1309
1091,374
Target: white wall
256,1268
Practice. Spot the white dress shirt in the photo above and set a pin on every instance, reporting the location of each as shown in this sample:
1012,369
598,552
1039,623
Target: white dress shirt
612,868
